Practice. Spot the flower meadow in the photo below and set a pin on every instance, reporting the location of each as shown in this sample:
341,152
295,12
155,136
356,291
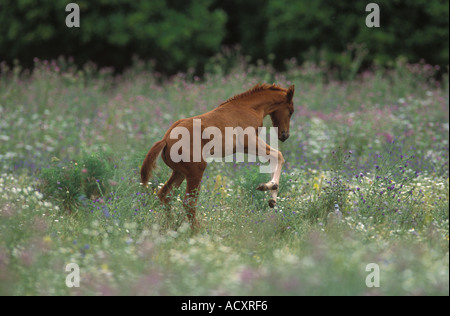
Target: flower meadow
366,180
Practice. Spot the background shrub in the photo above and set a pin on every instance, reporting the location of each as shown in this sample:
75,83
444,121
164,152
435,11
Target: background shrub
180,35
73,182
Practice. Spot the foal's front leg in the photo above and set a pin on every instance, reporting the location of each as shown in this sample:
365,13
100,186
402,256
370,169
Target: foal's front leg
276,161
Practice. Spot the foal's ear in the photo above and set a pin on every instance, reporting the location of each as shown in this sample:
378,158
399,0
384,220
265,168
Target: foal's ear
290,93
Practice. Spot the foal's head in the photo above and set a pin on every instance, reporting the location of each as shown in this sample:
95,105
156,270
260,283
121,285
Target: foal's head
282,116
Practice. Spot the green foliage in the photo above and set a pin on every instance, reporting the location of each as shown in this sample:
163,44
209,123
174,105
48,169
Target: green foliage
71,183
62,184
179,35
302,29
331,194
182,35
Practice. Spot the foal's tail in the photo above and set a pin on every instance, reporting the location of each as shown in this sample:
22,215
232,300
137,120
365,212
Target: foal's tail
150,161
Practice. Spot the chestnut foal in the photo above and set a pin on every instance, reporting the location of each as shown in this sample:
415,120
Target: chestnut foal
244,110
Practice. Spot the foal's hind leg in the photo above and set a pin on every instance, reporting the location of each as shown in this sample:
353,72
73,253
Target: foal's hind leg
194,174
175,180
190,199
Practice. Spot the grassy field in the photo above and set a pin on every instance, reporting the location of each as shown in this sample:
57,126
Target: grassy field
376,147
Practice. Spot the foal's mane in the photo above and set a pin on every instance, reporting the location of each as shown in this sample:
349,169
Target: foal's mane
256,88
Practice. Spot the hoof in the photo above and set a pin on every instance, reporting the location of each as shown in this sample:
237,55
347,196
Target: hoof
265,187
262,187
272,203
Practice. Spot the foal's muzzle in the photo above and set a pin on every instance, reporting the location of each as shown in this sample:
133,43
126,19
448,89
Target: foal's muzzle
284,136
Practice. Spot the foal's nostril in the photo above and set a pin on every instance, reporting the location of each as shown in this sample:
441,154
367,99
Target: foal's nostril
284,136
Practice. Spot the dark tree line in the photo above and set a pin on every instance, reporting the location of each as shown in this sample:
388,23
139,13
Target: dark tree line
179,35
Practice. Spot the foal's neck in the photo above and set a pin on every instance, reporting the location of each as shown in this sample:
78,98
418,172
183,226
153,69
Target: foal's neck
262,102
265,106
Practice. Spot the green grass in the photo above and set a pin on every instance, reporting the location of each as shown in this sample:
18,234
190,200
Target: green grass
71,144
